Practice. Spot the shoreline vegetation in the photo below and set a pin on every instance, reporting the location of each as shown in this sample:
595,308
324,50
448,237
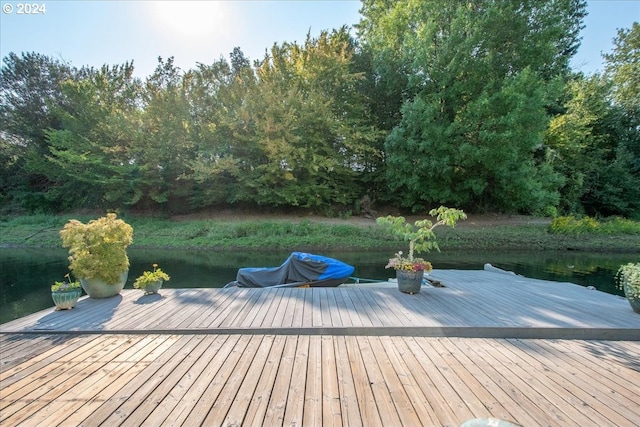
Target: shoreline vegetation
234,231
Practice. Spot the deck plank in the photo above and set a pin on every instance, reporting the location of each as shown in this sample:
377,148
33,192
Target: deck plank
248,389
382,395
331,407
136,383
192,402
268,405
349,407
203,406
294,410
297,380
190,356
333,356
312,410
413,380
401,401
577,379
489,302
235,378
366,399
75,401
454,406
534,387
25,398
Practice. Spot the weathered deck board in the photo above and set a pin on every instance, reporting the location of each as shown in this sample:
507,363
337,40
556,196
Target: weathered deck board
133,380
474,304
361,356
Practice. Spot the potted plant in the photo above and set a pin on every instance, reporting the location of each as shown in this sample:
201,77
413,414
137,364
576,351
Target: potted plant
98,253
65,294
410,270
628,279
151,281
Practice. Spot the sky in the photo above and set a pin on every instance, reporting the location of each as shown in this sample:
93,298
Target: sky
94,33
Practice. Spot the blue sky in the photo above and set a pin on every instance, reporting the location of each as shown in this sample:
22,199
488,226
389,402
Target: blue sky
112,32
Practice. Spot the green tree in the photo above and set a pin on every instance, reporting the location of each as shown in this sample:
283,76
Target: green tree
478,78
166,145
289,132
30,87
623,68
90,160
216,92
595,142
310,137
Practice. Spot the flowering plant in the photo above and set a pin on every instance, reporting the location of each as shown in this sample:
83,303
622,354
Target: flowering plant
420,236
400,262
629,276
149,277
65,285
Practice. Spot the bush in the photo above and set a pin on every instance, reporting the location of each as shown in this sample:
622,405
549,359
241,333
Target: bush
573,225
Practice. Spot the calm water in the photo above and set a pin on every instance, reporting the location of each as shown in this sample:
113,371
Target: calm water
28,273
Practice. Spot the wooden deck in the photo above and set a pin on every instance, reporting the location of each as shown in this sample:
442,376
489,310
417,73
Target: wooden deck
477,304
488,345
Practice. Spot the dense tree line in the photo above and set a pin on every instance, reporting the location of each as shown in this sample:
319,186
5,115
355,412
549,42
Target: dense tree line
470,104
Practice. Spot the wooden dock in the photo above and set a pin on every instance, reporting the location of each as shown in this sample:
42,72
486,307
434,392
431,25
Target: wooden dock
489,344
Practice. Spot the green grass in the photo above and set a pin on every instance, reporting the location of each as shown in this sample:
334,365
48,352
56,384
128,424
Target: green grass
42,231
149,232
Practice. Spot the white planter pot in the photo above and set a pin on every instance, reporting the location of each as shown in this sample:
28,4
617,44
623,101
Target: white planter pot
96,288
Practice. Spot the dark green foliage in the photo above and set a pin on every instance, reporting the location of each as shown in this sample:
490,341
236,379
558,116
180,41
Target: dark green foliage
475,97
90,161
463,103
295,133
30,87
595,143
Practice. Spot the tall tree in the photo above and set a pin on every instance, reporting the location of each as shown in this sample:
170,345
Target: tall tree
622,66
215,94
30,86
91,153
476,75
623,69
166,146
303,127
293,131
595,142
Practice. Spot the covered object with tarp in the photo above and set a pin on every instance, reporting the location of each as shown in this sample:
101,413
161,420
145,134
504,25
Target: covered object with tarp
300,269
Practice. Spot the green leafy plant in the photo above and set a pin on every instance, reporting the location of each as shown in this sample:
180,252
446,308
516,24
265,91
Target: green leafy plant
65,285
149,277
420,236
97,250
588,225
628,279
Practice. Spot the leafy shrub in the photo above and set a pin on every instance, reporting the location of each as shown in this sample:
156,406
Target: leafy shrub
573,225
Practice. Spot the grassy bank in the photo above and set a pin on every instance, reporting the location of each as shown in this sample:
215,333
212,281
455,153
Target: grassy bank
309,234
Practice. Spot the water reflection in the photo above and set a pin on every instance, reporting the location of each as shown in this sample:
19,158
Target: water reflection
28,273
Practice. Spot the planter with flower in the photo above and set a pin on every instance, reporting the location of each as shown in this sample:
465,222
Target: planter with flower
151,281
65,294
98,254
409,269
628,279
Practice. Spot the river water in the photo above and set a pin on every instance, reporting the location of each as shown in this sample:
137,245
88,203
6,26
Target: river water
27,274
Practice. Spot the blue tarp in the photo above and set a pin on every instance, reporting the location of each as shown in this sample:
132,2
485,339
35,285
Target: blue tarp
300,269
